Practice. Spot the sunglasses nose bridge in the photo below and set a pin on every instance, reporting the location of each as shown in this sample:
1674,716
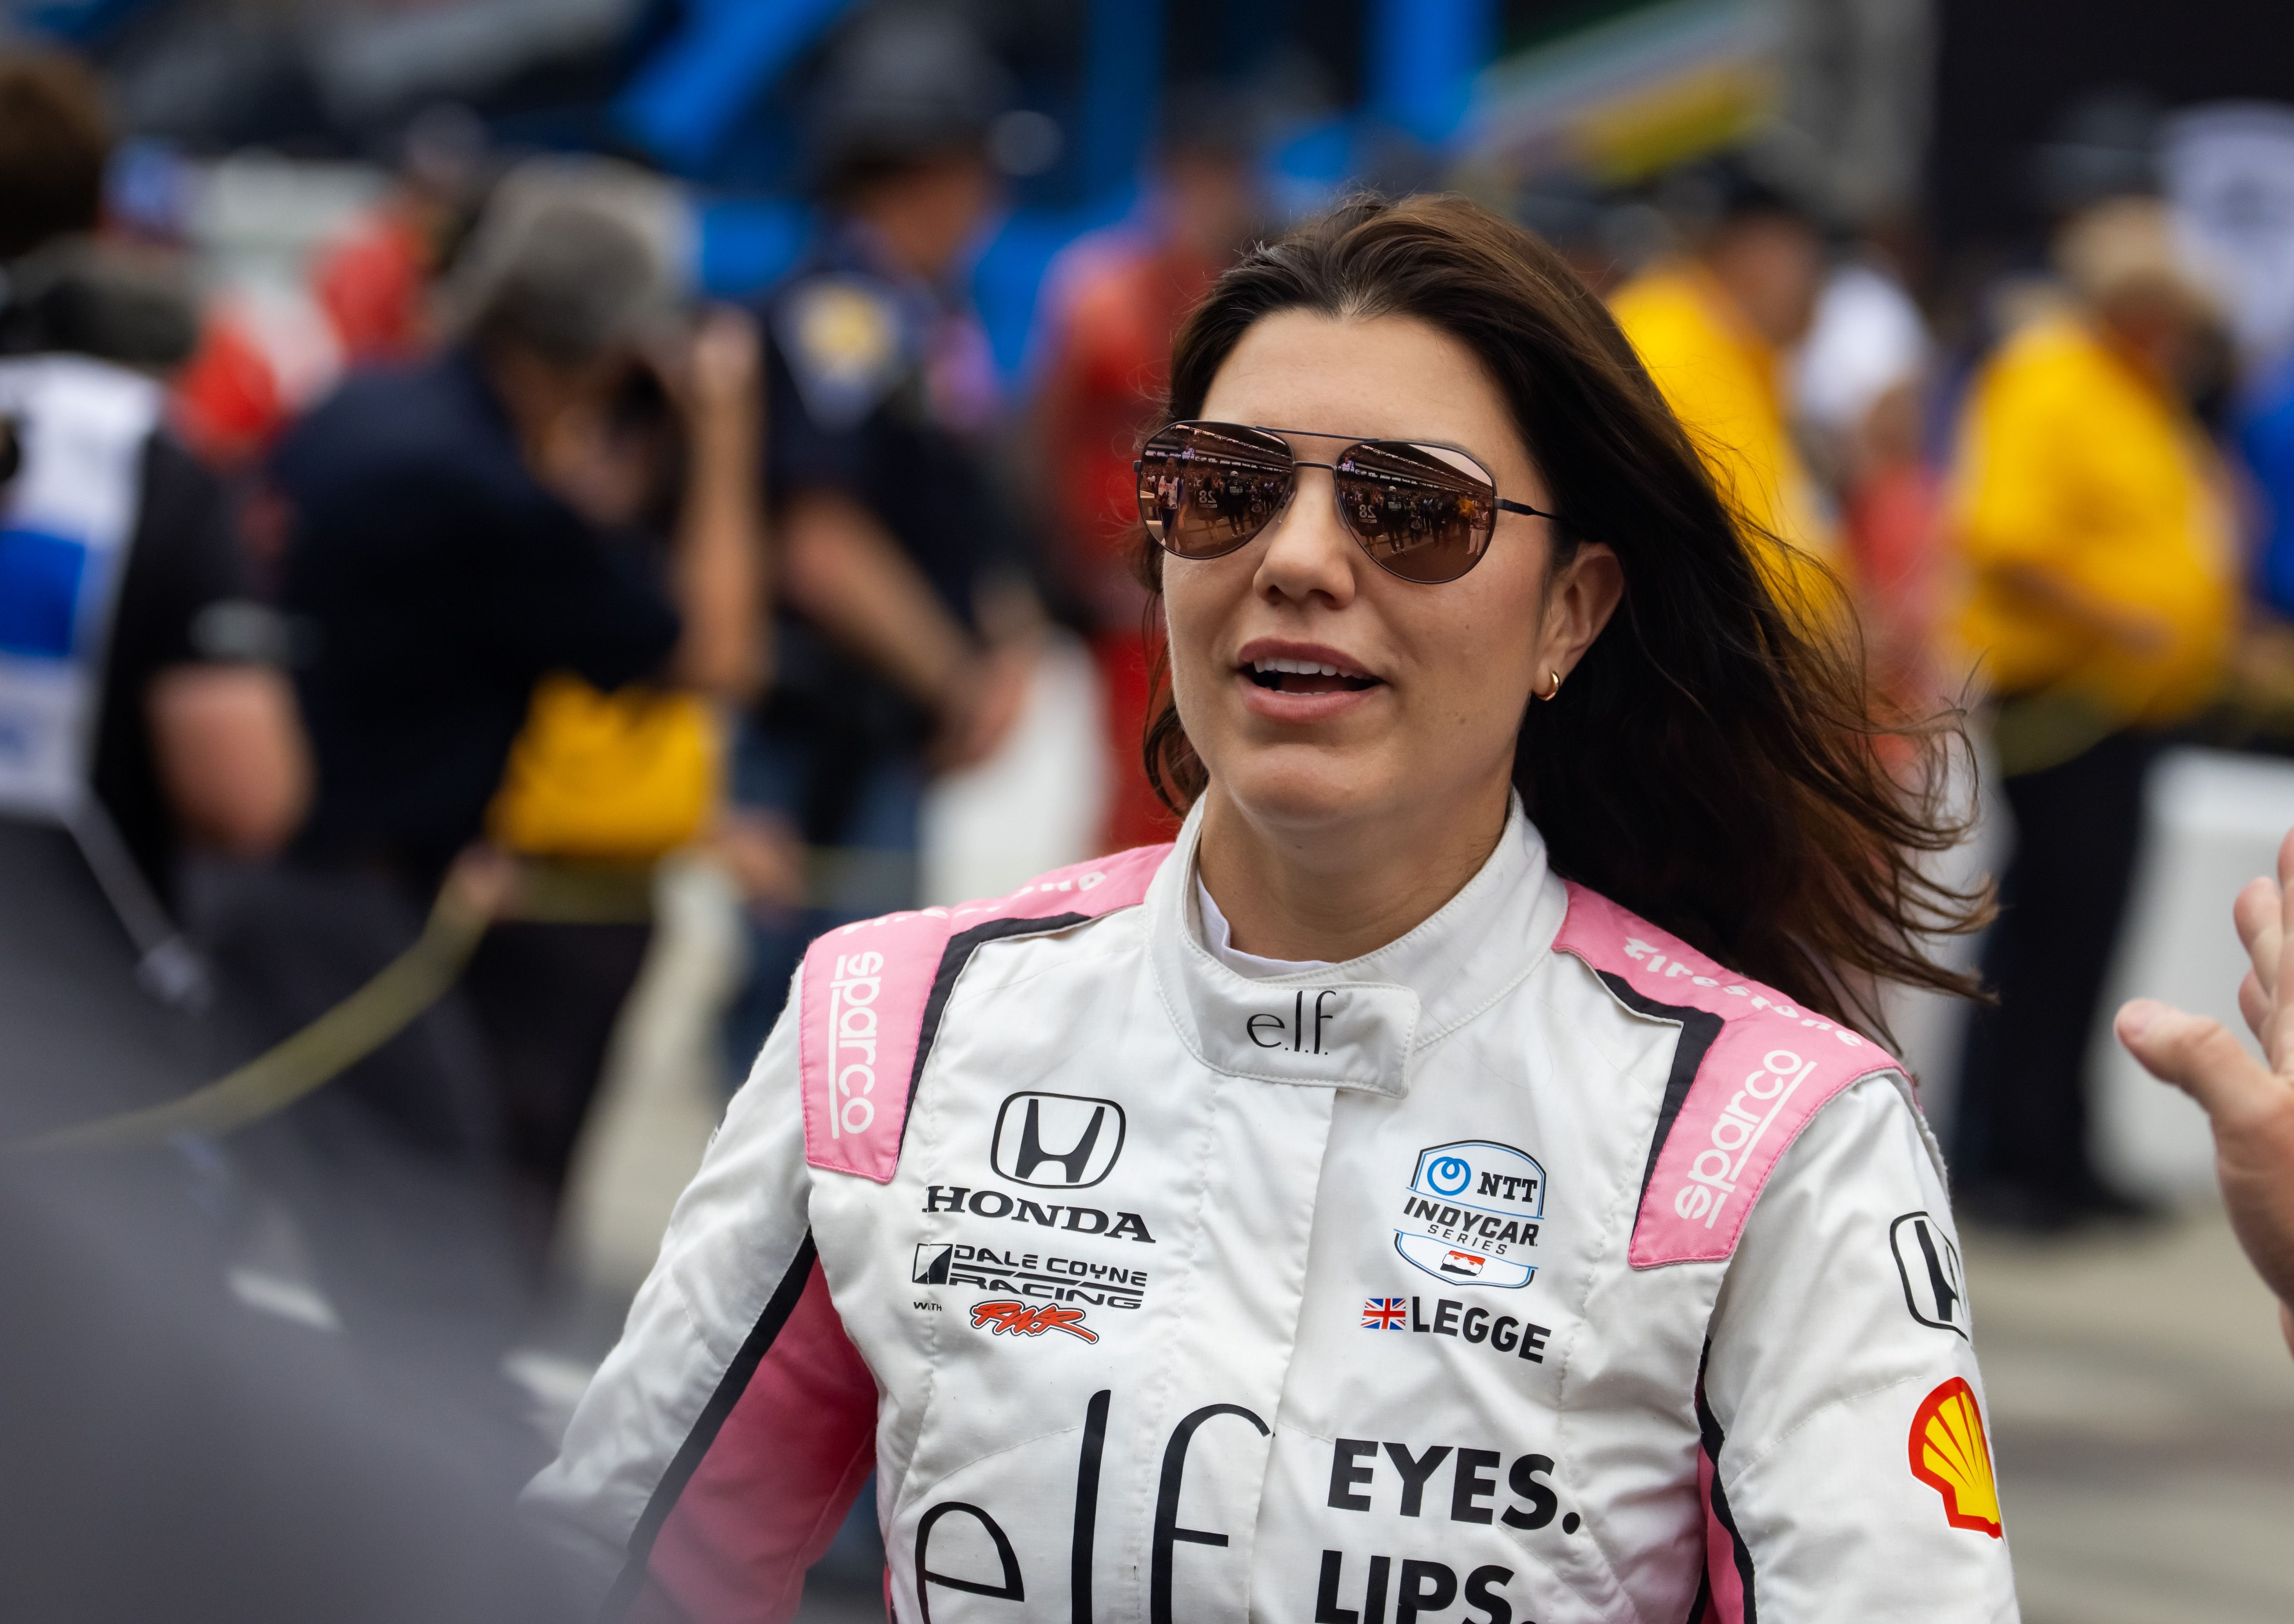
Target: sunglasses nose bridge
1280,530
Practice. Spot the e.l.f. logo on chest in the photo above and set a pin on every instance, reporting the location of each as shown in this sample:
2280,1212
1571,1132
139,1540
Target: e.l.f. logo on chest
1301,1032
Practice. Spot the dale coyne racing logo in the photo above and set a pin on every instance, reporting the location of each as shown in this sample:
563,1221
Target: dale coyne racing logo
1471,1213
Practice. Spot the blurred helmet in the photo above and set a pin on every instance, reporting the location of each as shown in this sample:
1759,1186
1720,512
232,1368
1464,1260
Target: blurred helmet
903,86
573,256
1709,194
2104,145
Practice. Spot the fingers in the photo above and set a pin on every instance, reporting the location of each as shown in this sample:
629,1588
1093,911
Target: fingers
2256,1005
2281,986
2259,915
2201,1058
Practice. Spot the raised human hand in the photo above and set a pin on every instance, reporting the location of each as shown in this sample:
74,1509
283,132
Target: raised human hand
2251,1105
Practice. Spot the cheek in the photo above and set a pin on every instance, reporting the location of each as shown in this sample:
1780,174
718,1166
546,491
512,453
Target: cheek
1482,653
1193,605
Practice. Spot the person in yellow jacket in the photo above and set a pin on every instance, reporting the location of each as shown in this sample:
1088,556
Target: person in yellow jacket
1713,328
2098,603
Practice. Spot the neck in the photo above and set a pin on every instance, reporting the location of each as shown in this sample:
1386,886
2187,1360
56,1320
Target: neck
1331,894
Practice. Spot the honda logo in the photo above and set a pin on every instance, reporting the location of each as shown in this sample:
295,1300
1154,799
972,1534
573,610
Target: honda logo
1061,1142
1934,1288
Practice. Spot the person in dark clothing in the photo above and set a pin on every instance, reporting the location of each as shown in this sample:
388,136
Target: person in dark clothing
440,581
194,672
461,532
882,395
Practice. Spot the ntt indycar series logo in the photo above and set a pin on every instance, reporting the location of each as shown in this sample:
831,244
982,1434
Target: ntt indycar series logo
852,1041
1737,1132
1472,1213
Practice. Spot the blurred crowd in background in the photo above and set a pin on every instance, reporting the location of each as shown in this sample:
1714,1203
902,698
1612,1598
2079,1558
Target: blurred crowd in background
639,470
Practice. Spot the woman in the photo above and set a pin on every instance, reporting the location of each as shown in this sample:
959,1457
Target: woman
1352,1208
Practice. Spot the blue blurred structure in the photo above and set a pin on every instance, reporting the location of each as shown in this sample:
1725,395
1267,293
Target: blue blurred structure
686,100
76,20
2265,439
686,97
1123,79
716,92
1422,56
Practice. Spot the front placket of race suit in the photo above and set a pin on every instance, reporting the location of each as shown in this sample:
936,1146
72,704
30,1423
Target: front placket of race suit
1122,1230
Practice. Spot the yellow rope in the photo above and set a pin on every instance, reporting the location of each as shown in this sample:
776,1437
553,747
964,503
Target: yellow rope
475,895
276,1078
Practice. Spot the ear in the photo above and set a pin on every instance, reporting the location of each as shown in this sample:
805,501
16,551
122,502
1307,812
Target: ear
1585,593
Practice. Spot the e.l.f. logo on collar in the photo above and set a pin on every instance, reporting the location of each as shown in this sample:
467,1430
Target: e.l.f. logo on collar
1302,1033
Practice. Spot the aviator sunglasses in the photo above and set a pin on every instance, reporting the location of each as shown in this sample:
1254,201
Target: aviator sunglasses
1422,512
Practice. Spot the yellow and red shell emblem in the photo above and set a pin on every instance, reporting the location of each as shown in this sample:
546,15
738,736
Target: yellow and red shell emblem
1951,1456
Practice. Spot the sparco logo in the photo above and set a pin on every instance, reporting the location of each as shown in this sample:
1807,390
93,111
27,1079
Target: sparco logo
1737,1132
852,1041
1060,1141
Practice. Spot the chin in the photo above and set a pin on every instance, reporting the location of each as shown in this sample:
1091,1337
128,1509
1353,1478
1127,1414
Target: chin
1307,788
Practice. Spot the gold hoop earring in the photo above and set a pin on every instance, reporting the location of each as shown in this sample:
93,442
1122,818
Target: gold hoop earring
1555,691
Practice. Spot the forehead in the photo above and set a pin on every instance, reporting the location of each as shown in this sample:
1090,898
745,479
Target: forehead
1388,377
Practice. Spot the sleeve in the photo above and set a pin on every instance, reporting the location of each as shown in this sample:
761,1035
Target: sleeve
723,1439
1846,1449
186,598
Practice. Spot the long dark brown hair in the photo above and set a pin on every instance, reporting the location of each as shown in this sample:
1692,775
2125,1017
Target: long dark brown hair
1718,762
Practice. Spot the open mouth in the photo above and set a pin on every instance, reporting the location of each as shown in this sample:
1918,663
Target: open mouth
1305,677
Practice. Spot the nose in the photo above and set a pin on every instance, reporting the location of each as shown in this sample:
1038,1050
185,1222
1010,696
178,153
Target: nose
1309,555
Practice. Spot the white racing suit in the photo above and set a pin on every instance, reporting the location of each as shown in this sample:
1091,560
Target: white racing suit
1532,1268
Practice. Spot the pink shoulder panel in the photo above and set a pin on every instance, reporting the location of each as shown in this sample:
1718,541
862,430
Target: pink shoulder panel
871,989
1765,1067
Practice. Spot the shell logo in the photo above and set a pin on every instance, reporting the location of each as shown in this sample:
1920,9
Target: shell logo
1951,1456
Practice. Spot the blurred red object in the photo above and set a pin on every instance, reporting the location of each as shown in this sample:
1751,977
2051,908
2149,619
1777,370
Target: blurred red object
265,354
227,403
370,285
1116,300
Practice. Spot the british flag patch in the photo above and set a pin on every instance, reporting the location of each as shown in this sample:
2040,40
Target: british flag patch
1383,1315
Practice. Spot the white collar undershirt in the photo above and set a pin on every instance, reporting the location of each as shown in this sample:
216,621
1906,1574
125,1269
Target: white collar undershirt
1218,937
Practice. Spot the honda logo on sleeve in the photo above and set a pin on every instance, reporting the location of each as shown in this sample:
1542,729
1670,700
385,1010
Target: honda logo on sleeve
1063,1142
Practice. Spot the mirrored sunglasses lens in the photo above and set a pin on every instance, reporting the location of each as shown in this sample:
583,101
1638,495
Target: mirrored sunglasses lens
1423,512
1205,488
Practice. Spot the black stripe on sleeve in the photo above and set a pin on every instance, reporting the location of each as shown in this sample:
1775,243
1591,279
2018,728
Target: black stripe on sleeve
1708,1427
957,953
1699,1029
714,1414
1700,1610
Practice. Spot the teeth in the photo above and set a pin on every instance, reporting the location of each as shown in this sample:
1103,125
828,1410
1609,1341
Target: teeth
1296,668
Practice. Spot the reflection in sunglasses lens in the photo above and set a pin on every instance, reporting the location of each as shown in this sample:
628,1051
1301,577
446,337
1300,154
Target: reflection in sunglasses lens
1209,489
1424,513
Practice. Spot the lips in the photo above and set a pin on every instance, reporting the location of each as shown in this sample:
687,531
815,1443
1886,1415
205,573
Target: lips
1302,668
1302,682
